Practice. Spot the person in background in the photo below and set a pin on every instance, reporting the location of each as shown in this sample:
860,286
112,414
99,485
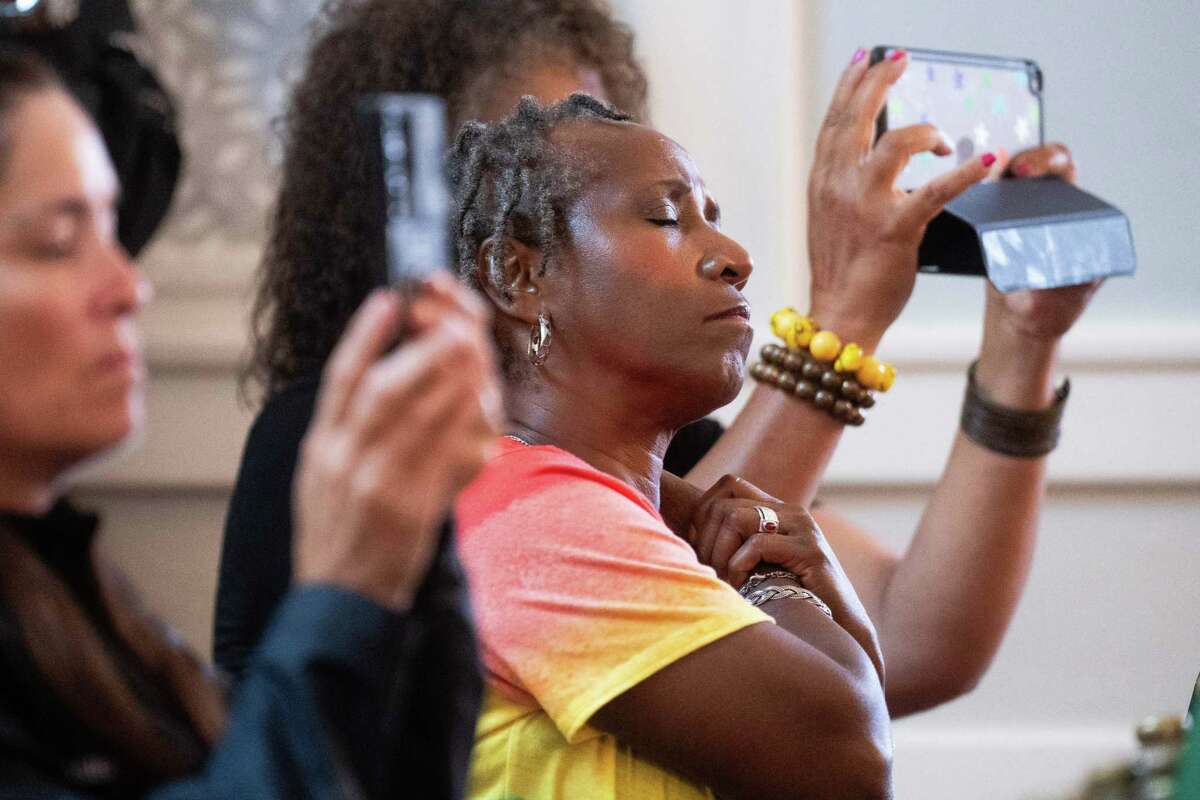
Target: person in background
99,700
93,48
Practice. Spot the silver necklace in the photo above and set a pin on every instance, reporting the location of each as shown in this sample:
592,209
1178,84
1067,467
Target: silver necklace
517,439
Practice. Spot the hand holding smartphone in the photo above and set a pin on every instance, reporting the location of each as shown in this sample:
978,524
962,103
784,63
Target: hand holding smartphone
1022,234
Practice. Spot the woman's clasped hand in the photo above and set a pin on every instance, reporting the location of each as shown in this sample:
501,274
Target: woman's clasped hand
727,532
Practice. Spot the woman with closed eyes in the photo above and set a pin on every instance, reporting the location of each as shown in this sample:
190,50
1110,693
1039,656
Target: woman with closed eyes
621,661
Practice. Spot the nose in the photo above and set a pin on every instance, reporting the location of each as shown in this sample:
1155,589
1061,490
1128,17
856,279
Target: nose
727,261
124,290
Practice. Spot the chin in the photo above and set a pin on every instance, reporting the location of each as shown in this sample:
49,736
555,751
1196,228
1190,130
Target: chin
733,370
715,387
101,435
102,444
128,429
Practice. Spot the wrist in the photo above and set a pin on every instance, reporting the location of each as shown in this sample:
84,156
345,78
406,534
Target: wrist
849,325
396,592
1027,433
1016,370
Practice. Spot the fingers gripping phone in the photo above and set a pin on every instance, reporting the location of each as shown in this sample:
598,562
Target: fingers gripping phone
984,104
404,138
1027,234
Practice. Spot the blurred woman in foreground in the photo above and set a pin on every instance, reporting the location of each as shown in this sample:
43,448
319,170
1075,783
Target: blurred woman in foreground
98,699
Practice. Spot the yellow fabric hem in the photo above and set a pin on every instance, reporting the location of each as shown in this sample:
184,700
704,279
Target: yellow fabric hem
651,661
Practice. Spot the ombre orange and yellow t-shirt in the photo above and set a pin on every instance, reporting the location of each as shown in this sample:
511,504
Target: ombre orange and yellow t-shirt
580,593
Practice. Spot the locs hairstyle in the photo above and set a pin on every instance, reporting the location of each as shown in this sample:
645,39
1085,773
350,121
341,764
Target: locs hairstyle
315,269
510,181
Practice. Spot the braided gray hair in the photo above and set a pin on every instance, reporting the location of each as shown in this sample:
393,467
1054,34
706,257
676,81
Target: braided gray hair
509,181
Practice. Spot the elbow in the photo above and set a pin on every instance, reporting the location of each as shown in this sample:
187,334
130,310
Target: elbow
858,768
860,754
857,754
956,682
868,773
932,688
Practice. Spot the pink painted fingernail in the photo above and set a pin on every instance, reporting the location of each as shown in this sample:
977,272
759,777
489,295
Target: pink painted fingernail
859,55
988,159
899,54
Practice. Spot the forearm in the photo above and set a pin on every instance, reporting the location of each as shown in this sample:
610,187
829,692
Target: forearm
865,722
307,720
777,442
807,623
949,600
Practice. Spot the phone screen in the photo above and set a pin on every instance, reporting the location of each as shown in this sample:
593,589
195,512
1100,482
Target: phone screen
984,104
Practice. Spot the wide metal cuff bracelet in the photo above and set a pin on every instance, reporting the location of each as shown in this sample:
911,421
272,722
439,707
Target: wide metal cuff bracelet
1009,431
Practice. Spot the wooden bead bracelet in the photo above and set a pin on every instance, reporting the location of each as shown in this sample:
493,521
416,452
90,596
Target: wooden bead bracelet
841,397
816,367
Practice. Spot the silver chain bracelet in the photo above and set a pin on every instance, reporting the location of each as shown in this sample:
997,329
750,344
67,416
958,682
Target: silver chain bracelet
754,580
756,596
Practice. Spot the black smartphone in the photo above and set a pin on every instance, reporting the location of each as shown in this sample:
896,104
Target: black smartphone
985,104
405,141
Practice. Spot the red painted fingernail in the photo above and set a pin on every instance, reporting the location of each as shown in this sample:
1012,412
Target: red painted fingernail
988,159
859,55
1022,170
899,54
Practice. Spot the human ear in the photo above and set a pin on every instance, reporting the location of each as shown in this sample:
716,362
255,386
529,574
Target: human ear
511,276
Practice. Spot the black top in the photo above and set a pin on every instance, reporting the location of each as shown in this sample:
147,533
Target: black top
690,444
29,711
437,725
316,700
62,539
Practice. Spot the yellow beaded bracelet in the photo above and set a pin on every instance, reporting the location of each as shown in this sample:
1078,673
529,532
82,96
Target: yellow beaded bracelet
803,333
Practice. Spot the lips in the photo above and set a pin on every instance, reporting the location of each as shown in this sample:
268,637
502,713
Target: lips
124,361
740,311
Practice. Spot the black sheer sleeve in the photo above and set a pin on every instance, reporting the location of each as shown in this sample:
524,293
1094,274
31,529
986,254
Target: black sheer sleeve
690,445
256,555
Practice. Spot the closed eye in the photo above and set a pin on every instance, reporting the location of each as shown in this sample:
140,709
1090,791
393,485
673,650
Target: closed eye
664,223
